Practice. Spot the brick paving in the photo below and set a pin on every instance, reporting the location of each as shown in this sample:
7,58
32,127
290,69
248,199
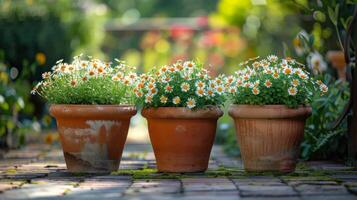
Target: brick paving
38,172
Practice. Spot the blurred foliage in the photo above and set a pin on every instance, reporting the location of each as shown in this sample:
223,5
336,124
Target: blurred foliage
265,24
320,141
159,8
43,30
216,48
325,31
12,129
33,35
326,21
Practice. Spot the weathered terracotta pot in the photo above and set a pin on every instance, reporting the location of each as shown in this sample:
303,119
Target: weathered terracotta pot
182,139
92,136
338,61
269,136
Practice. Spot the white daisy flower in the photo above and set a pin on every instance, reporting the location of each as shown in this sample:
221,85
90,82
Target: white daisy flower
200,92
255,91
189,65
232,90
191,103
295,82
268,83
200,84
323,88
148,98
287,70
176,100
139,94
165,79
212,84
316,62
163,99
185,87
210,92
150,85
168,88
292,91
164,69
272,58
220,89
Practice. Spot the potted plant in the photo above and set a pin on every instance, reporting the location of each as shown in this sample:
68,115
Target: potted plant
92,103
271,103
181,104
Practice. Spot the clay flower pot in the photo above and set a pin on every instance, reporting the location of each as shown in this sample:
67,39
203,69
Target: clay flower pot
92,136
269,136
337,59
182,139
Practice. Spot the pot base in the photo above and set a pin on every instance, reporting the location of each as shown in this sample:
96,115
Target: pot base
182,139
77,165
92,136
284,166
269,136
181,162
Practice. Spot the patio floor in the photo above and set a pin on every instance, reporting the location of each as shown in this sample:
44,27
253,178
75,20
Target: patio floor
38,172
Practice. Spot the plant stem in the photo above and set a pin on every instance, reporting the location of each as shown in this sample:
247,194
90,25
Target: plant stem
339,38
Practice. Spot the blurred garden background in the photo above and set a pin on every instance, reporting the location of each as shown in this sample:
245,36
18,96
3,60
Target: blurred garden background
34,34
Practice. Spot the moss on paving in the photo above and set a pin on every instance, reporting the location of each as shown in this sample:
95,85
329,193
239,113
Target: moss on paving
150,173
138,155
11,171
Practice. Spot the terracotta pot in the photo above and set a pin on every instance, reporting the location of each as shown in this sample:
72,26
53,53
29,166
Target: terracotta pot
182,139
92,136
269,136
338,61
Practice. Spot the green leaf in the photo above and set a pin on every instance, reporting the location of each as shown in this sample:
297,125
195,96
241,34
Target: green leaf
346,23
337,8
351,1
319,16
332,16
10,124
2,130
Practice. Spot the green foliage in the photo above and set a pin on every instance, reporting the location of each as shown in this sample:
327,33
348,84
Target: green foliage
331,19
320,140
87,82
183,84
273,81
40,31
263,23
11,104
93,91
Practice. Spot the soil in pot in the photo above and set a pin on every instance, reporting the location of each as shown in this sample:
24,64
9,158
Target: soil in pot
182,139
269,136
92,136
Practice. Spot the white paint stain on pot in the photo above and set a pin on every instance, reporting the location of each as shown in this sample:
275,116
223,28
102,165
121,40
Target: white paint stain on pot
93,130
92,152
180,129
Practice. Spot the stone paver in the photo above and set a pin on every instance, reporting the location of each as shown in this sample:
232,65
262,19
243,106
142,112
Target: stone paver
267,191
39,172
308,189
107,187
154,187
41,190
207,184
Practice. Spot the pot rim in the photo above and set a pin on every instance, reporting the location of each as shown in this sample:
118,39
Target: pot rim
92,111
268,111
212,112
